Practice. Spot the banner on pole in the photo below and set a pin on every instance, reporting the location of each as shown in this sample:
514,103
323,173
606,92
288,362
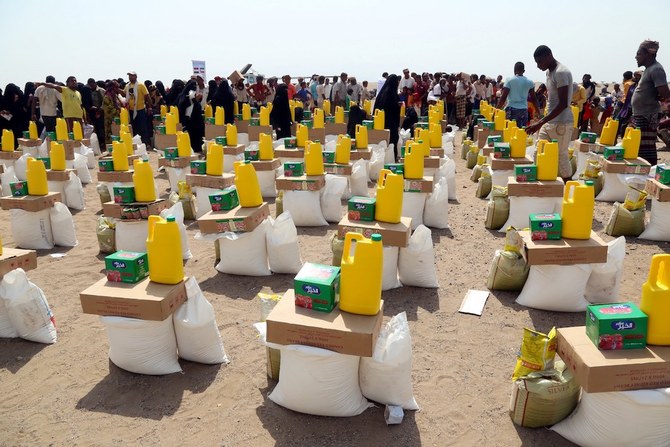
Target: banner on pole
199,69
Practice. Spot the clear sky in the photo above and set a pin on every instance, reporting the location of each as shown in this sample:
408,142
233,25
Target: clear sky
158,39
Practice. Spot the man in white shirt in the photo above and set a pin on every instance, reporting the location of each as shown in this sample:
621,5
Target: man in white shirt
340,91
203,89
355,88
406,81
320,91
48,100
327,87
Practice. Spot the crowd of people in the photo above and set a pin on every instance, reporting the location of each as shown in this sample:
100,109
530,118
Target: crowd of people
634,101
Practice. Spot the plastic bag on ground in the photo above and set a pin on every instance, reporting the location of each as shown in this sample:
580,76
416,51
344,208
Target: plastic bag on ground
202,205
386,377
177,211
95,143
359,179
106,234
266,179
198,336
20,167
282,245
603,284
6,178
27,308
448,171
142,346
389,153
131,235
615,186
6,327
436,208
244,253
32,229
556,287
657,227
623,222
176,175
416,262
305,208
81,165
62,226
390,269
508,271
74,193
520,208
497,209
87,152
377,161
413,204
319,382
331,197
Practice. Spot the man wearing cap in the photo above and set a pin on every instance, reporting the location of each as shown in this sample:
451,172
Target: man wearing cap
652,87
139,105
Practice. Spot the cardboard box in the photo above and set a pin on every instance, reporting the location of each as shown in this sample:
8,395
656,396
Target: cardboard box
602,371
19,189
255,132
238,219
360,154
613,153
72,145
281,152
587,147
105,165
60,176
491,140
317,287
233,150
336,128
545,226
266,165
127,266
616,326
111,209
180,162
145,300
361,208
540,188
338,169
393,235
418,185
210,181
437,152
483,134
663,173
302,183
525,173
241,125
318,135
212,131
116,129
116,176
124,194
199,167
657,190
27,142
251,154
377,136
501,150
221,140
14,258
235,77
395,168
13,155
162,141
290,143
636,166
588,137
507,164
337,331
294,169
224,200
564,251
30,203
328,156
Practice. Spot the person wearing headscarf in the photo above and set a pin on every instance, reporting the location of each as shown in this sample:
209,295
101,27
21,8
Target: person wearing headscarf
173,96
28,103
13,104
160,91
223,97
191,116
652,87
389,101
212,90
280,116
111,108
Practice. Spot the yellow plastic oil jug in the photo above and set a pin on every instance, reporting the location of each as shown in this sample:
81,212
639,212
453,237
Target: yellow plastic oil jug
547,160
339,115
499,119
577,211
609,132
264,116
119,156
423,145
164,110
314,159
361,274
219,116
248,187
124,117
124,128
413,163
208,111
231,135
170,124
246,112
36,175
575,115
236,108
319,120
57,156
326,106
517,145
7,140
655,301
367,106
301,135
214,164
631,142
265,149
378,120
435,135
61,129
77,132
343,150
32,130
127,140
389,197
402,110
361,137
164,251
143,180
183,144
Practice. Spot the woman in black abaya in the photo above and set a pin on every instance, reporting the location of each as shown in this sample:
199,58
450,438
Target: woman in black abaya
280,117
223,97
388,101
191,116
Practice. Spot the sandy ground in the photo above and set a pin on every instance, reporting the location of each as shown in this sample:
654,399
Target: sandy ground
71,394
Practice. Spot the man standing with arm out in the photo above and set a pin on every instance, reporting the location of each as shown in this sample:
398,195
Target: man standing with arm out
139,106
557,125
48,101
71,99
515,92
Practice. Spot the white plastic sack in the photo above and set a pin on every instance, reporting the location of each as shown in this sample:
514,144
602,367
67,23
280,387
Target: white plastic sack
619,418
131,235
377,161
142,151
658,228
73,193
501,177
142,346
436,209
229,161
319,382
175,175
111,185
615,186
57,186
416,262
390,270
6,327
282,245
603,284
447,170
556,287
32,230
243,138
582,158
177,211
202,205
389,153
244,253
386,377
87,152
305,208
62,225
413,204
520,209
266,180
6,178
20,166
198,336
81,165
359,179
95,143
331,197
27,308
